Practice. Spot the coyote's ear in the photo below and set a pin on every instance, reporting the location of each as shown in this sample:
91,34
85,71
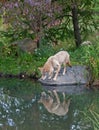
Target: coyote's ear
40,68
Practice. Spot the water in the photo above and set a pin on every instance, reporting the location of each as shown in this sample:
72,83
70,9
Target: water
20,110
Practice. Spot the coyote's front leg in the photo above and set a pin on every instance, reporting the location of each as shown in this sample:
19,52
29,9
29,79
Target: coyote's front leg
57,71
64,71
50,75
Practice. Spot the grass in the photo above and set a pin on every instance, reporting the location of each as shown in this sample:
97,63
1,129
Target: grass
91,115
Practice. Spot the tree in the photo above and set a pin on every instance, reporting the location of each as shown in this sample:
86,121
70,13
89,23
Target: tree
60,16
76,23
80,14
28,16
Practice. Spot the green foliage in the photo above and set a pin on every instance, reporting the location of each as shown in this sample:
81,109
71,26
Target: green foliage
14,61
91,114
27,18
88,55
46,49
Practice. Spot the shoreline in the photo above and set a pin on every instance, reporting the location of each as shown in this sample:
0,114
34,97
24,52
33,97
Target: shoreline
20,76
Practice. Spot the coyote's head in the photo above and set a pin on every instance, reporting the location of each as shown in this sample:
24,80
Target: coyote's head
43,72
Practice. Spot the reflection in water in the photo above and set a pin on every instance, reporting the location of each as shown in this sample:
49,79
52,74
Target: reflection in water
55,106
18,105
20,110
12,111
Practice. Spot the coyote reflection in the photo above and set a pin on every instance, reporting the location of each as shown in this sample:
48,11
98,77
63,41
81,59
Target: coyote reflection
54,106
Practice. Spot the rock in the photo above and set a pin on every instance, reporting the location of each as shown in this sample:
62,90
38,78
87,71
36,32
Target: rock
77,75
96,83
87,43
68,89
27,45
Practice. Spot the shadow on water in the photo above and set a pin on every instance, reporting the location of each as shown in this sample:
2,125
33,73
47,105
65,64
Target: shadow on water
20,110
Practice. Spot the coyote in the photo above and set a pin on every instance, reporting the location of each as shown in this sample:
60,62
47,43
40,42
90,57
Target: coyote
56,106
54,63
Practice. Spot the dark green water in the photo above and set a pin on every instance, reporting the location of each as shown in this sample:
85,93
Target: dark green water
20,110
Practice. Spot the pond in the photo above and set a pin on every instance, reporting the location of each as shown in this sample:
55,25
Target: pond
20,108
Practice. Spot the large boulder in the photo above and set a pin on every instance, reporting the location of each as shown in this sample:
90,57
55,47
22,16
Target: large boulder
73,82
26,45
74,76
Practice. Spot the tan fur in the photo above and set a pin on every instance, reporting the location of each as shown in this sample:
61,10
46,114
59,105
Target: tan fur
55,106
55,62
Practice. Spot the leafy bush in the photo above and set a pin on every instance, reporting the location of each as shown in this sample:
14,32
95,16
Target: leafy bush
88,55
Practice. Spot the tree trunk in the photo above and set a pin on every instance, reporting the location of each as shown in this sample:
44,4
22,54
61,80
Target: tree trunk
76,25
